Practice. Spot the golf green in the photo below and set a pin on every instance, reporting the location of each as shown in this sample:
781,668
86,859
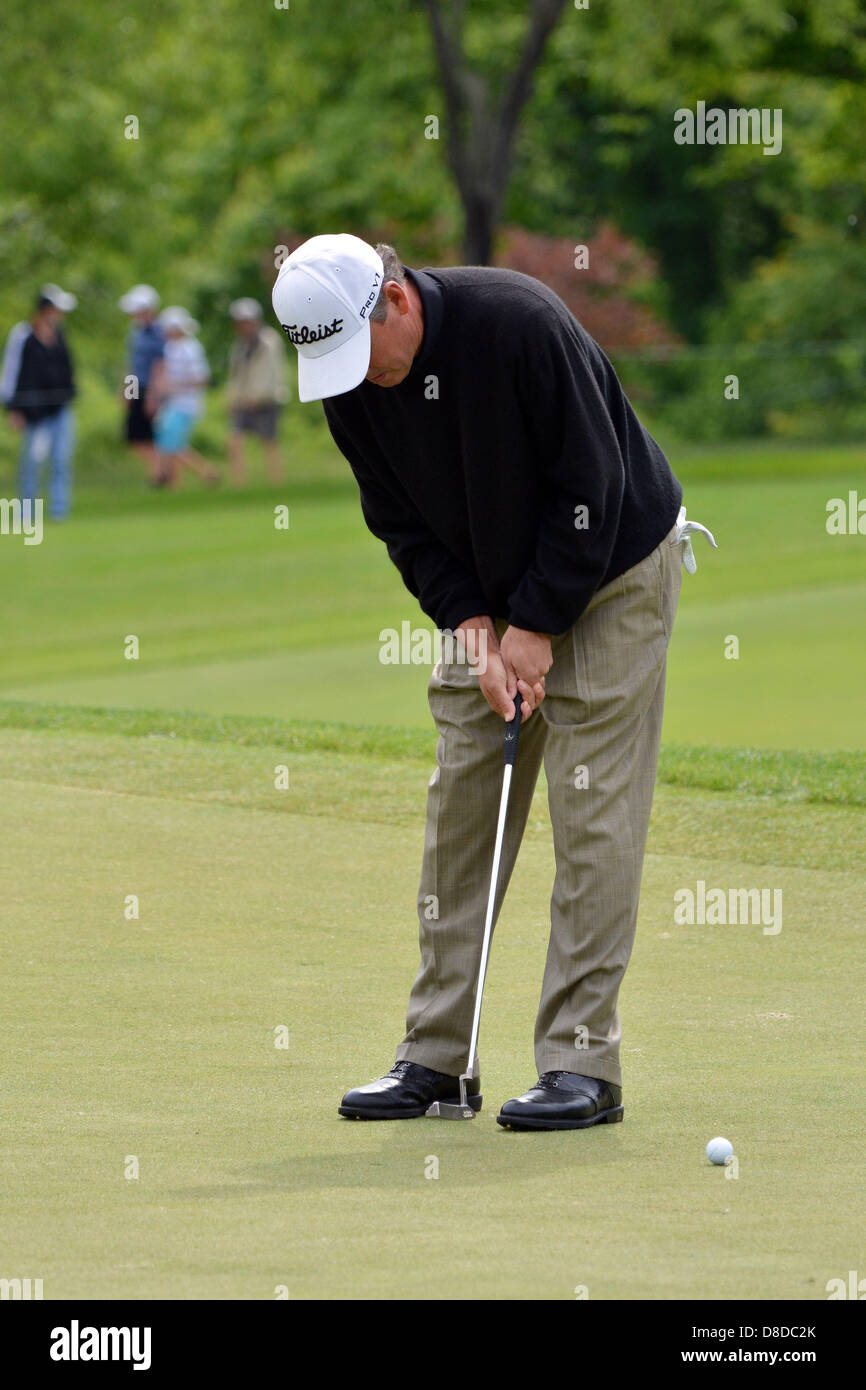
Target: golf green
162,1143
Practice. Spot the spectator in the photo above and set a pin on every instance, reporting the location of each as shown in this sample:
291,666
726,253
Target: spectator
257,389
176,391
145,347
36,388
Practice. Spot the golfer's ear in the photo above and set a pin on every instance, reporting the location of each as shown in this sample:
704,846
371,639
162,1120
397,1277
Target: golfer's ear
396,295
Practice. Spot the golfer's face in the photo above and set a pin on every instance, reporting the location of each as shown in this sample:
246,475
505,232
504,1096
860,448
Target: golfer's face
391,350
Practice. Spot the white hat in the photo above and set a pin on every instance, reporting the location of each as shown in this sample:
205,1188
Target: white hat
58,297
139,299
245,309
173,316
322,299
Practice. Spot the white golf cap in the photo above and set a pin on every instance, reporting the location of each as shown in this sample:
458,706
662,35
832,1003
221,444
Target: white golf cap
58,297
173,316
322,299
139,299
245,309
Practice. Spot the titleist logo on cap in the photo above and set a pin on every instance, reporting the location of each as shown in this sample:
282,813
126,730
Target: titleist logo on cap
312,335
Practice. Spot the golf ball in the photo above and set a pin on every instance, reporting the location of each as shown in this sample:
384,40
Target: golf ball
719,1150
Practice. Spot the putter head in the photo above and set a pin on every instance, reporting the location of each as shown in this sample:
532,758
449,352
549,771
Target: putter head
444,1110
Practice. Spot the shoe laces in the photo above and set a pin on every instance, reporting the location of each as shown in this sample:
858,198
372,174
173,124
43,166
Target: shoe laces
399,1068
550,1079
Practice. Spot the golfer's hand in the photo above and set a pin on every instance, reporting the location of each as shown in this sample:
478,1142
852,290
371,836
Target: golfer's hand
16,419
527,658
494,687
477,637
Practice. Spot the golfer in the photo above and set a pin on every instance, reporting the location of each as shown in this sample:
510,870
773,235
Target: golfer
532,515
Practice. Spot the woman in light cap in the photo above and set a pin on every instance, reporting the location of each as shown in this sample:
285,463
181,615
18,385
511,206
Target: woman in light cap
178,383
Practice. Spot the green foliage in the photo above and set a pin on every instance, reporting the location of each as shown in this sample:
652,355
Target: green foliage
255,124
258,127
599,141
794,334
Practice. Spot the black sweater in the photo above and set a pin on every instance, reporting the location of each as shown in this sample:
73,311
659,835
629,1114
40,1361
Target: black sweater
473,469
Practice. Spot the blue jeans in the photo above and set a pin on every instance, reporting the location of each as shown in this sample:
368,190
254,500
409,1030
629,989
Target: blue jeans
52,438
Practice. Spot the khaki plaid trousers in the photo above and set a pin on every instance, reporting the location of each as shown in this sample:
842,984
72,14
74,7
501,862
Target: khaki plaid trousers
602,714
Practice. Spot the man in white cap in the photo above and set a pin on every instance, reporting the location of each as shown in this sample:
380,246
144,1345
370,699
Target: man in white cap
145,346
257,389
178,382
37,387
530,513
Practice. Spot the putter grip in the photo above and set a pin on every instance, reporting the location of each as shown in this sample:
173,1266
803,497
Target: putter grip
512,731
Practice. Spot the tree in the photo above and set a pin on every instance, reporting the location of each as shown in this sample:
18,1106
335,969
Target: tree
481,126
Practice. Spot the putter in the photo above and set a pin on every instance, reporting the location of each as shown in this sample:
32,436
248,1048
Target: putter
440,1109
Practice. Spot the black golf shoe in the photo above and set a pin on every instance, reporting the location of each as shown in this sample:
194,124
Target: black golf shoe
564,1100
405,1093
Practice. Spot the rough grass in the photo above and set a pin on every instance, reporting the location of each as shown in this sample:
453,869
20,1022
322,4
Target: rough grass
829,778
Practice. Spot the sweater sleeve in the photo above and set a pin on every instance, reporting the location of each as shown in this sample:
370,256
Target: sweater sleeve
12,364
446,591
581,473
28,394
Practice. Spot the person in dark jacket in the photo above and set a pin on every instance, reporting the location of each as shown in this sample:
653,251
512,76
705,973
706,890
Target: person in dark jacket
535,519
37,388
145,348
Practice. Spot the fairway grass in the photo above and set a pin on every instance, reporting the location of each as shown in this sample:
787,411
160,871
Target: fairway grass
154,1039
233,616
